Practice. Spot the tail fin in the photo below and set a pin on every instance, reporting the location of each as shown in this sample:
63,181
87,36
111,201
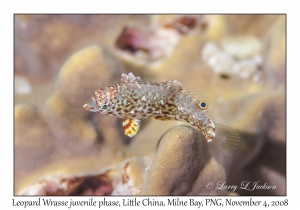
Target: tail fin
223,145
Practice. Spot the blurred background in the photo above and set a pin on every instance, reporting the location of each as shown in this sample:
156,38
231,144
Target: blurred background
235,62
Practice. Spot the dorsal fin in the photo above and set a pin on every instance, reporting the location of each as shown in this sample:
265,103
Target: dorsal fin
126,79
174,84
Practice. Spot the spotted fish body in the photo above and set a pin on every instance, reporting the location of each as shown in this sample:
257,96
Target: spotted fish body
134,99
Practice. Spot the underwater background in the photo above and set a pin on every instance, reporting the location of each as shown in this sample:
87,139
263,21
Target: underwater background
237,63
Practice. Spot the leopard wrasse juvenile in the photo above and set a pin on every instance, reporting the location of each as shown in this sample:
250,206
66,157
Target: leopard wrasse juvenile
134,99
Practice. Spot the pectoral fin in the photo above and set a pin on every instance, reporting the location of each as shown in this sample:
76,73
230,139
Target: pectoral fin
131,127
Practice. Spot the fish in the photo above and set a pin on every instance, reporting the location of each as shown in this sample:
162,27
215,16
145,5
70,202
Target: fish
134,99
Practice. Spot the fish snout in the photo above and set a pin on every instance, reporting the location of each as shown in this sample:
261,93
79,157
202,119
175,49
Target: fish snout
91,105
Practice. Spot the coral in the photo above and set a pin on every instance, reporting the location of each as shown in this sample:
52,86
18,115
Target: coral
250,24
241,57
158,43
33,136
131,178
91,64
58,185
22,86
241,47
60,149
180,165
43,42
60,129
275,52
181,155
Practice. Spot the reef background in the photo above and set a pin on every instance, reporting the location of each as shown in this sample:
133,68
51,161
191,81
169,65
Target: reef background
235,62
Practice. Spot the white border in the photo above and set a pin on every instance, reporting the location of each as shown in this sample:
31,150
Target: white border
8,8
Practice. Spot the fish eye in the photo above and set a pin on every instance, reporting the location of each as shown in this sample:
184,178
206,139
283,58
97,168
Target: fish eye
203,105
105,107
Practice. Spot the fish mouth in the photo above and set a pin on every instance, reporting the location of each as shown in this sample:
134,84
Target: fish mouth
91,105
86,106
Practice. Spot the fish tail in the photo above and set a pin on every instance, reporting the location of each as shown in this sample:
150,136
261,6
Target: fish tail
223,142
